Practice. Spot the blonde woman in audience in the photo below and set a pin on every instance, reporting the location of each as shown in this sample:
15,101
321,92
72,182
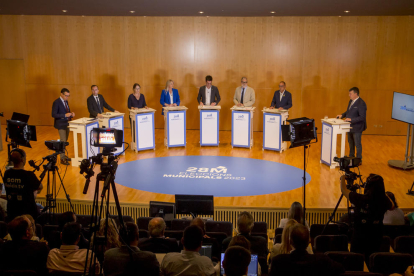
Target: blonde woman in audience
112,240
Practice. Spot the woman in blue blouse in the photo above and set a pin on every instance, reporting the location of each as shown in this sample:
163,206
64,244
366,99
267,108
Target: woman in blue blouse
136,99
169,96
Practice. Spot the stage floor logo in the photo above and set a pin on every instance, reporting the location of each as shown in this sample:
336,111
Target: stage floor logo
220,176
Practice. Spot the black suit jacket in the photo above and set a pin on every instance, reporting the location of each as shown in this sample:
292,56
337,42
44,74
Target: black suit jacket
357,114
215,95
58,113
299,262
159,245
286,102
93,106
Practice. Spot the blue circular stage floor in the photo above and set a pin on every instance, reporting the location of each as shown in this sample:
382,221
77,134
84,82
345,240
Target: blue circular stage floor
220,176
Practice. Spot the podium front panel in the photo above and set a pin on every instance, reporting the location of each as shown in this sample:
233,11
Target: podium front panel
176,126
209,127
118,123
90,150
272,131
326,145
144,129
240,128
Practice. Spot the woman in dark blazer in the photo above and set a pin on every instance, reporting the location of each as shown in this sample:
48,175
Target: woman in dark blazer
169,96
136,99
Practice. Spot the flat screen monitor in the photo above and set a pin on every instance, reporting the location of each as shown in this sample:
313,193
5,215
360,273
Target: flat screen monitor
107,137
165,210
403,107
195,204
253,269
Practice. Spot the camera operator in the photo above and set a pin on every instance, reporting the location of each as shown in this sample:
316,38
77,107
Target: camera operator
370,208
20,187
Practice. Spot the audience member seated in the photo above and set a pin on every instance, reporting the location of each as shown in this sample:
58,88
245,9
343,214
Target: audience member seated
394,216
22,253
189,261
299,261
158,243
32,222
243,242
130,260
216,248
296,213
112,237
69,258
258,245
55,240
236,261
285,247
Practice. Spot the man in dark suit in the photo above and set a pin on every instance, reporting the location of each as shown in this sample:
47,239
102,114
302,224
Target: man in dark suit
158,243
282,99
258,245
96,103
208,94
300,262
62,115
356,113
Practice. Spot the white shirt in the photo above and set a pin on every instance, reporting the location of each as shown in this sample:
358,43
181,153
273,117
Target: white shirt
208,95
63,101
353,102
281,95
171,98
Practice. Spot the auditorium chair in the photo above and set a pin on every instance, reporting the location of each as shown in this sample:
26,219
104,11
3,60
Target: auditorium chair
388,263
360,273
317,229
3,229
404,244
180,224
324,243
125,218
143,233
219,236
19,273
220,226
143,222
278,238
349,260
49,233
176,234
39,231
48,218
260,229
84,220
385,244
394,231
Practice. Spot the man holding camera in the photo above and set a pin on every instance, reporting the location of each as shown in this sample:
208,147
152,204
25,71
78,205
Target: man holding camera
356,114
370,208
61,113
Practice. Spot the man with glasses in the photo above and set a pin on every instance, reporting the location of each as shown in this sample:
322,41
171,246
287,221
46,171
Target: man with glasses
244,95
282,99
61,113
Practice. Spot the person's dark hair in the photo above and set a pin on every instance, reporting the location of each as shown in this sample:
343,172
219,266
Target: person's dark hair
71,233
65,218
236,261
200,223
296,212
299,236
131,234
355,89
209,78
284,83
64,90
240,241
392,197
193,237
135,85
245,222
17,228
93,85
17,156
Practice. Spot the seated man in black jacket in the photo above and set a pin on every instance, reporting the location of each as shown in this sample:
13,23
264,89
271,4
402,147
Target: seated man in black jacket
22,253
300,262
258,244
158,243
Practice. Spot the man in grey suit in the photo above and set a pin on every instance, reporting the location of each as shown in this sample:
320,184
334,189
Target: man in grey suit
244,95
96,103
208,94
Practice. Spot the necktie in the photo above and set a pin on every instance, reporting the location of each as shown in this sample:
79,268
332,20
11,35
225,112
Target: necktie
242,95
67,110
99,106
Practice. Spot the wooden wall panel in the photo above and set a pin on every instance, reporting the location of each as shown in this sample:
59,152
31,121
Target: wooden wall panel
320,58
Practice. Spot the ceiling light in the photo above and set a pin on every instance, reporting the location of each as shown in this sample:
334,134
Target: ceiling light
132,11
200,12
272,12
65,10
346,11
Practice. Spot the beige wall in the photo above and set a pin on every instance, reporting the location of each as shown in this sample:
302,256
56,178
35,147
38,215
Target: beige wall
320,58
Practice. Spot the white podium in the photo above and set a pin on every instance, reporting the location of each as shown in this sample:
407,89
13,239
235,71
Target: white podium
114,120
330,129
242,126
175,126
83,126
142,129
209,125
273,119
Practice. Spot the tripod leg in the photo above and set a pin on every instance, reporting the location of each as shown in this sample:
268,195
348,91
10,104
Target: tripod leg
333,213
67,195
118,207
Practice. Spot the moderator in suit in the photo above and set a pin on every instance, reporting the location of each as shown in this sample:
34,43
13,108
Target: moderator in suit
248,97
95,109
286,101
166,99
214,97
60,110
357,113
159,245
